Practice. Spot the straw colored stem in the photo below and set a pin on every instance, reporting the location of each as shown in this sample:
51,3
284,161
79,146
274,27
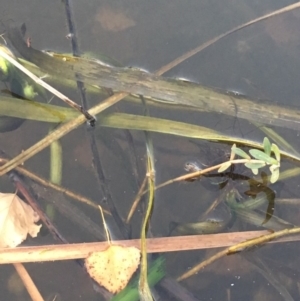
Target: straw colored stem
28,282
238,248
154,245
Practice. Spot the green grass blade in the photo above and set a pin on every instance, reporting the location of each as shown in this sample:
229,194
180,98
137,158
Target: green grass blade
56,114
156,272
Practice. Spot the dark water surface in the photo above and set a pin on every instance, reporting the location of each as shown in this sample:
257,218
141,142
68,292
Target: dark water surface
261,61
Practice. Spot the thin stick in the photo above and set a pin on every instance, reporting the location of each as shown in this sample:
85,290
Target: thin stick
137,200
40,82
154,245
28,283
196,174
58,133
105,226
103,184
238,248
41,181
194,51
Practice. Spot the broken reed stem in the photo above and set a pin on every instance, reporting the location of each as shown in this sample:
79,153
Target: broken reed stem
154,245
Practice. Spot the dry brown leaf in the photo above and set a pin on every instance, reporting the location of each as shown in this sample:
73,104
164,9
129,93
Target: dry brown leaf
113,267
17,219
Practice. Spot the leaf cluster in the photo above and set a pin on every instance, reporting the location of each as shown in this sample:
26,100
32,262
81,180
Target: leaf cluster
257,159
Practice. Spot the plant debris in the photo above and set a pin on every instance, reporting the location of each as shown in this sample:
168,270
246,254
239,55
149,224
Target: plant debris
17,219
113,267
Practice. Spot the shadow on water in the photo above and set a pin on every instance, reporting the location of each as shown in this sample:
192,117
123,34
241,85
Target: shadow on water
259,61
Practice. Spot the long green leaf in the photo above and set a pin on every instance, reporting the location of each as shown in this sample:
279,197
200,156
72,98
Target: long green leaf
56,114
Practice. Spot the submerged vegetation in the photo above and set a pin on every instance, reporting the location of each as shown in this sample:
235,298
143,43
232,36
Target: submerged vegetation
246,181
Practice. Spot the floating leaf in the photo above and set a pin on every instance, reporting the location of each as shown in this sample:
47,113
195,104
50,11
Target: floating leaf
252,165
267,146
276,151
259,155
224,166
17,219
240,152
113,267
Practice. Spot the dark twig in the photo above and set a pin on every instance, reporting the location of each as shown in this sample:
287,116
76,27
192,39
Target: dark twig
95,154
75,50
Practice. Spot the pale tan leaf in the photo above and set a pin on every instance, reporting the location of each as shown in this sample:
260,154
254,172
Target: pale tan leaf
17,219
113,267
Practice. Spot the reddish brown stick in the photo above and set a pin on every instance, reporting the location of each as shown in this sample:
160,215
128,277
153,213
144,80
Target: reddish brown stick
154,245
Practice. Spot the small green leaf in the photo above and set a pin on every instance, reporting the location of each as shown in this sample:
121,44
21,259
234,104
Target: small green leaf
253,169
255,165
273,167
240,152
267,146
259,155
28,91
276,151
224,166
232,154
274,174
4,69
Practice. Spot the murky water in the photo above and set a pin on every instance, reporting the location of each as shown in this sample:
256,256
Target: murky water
261,61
